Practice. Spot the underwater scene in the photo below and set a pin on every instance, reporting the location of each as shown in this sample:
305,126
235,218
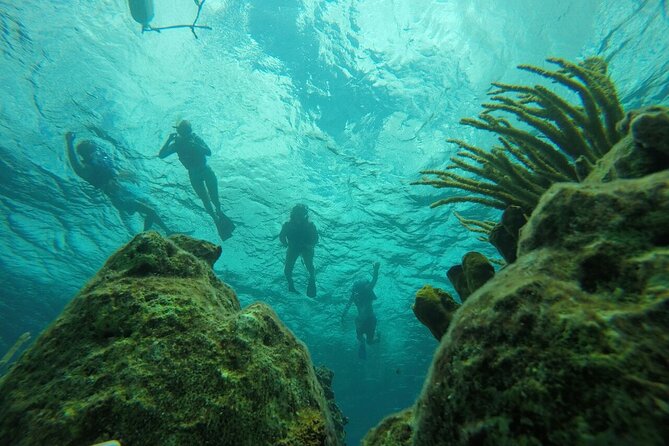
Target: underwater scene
334,222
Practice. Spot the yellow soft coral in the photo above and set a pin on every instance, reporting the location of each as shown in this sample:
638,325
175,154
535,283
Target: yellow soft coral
559,141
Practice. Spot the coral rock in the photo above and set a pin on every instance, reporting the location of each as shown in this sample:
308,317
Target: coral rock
504,243
202,249
456,275
434,308
394,430
471,275
155,350
477,270
643,151
570,344
625,213
504,236
325,377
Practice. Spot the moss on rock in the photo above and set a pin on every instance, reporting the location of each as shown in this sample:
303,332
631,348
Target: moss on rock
569,345
325,377
394,430
643,151
155,350
434,308
474,271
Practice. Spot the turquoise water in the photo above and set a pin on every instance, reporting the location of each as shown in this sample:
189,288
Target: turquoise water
336,104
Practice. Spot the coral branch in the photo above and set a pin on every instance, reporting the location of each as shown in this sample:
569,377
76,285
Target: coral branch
545,138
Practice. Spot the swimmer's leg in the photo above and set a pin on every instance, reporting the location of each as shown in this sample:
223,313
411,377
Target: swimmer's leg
291,257
197,181
212,186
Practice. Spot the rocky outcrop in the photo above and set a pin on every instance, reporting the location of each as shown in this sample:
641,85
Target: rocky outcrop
569,344
644,150
155,350
471,274
504,235
395,430
325,377
434,308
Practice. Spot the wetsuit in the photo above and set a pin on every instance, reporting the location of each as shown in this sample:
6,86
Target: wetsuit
192,152
98,169
365,323
301,236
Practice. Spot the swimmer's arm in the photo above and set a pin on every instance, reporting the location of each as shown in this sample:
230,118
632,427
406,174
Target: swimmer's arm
375,275
168,148
283,234
314,235
348,305
78,168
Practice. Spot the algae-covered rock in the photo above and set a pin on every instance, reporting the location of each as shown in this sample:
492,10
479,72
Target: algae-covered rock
325,377
504,235
644,149
570,344
649,127
434,308
474,271
478,270
155,350
394,430
456,275
630,214
207,251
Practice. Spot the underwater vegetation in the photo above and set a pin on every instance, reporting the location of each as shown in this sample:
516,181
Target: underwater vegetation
544,139
569,342
25,337
558,142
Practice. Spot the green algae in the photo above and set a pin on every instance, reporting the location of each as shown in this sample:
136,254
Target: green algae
155,350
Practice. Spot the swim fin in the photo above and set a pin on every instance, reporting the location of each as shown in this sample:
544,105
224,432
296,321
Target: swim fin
362,351
225,227
311,287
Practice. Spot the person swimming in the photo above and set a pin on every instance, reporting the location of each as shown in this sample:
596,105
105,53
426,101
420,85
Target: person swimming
193,153
94,165
362,295
299,236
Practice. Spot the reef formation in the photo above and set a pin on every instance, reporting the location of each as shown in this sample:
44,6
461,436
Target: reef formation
552,140
155,350
543,139
570,343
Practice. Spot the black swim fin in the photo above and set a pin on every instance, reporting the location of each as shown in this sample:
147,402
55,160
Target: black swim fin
362,351
225,227
311,288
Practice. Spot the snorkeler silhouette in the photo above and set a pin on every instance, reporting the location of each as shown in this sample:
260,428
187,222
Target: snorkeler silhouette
300,236
362,295
96,166
192,152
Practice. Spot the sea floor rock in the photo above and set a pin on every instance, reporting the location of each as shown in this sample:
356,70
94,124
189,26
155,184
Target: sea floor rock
434,308
395,430
570,344
643,151
155,350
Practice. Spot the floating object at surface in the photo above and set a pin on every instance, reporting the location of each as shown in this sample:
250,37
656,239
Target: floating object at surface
142,11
